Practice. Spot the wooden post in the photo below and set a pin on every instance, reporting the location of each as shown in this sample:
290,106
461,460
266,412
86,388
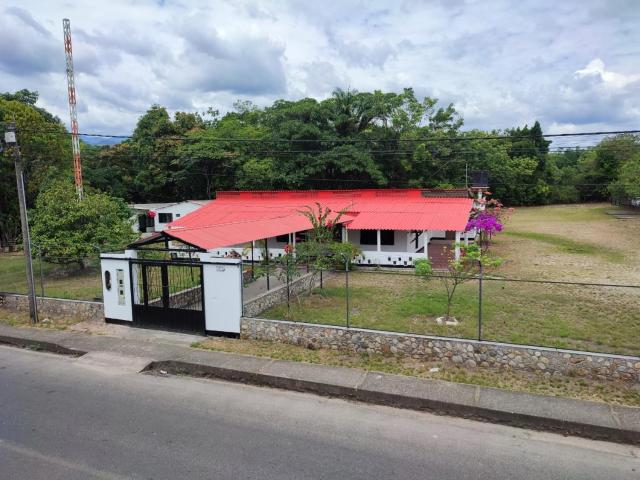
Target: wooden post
457,246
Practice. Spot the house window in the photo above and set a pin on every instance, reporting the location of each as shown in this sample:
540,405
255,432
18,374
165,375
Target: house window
165,217
283,238
370,237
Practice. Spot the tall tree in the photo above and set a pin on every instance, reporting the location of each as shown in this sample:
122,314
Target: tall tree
68,231
46,154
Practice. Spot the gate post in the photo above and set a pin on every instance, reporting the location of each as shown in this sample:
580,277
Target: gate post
117,286
222,281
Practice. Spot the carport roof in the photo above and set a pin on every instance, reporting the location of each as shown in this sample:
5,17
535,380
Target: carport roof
239,217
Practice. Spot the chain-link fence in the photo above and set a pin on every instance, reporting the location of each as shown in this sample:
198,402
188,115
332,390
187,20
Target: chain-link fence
59,277
574,315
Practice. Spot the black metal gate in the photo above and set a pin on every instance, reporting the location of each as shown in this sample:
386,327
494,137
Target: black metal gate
168,295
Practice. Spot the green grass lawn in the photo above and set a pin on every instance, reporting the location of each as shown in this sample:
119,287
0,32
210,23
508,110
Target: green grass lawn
565,316
59,281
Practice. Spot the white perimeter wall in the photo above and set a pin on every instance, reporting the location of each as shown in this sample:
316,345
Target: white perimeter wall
222,280
115,307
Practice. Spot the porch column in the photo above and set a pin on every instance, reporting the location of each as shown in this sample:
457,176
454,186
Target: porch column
457,246
425,239
345,235
466,238
379,241
294,240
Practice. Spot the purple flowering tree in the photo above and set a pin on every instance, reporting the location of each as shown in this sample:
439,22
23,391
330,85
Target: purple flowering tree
486,224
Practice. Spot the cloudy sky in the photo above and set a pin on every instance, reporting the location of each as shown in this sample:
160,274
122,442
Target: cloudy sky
573,65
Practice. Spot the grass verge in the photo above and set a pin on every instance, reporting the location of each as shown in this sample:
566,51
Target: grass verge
608,392
13,319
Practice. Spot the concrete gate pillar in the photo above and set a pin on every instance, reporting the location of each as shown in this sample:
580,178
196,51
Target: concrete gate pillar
222,279
116,285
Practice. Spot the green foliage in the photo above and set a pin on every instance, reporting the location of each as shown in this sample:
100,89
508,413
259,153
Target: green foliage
473,260
46,155
349,140
66,230
321,250
423,268
627,183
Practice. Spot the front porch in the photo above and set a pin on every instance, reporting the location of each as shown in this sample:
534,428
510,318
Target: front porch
388,248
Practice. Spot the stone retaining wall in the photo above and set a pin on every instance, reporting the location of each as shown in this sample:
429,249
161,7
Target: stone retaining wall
278,295
470,353
54,307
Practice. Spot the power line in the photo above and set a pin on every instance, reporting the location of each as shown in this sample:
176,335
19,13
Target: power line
459,138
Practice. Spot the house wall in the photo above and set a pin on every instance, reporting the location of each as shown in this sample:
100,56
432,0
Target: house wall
136,224
401,253
178,210
400,242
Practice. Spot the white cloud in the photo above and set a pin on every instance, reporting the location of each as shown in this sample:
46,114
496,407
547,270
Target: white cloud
613,80
570,66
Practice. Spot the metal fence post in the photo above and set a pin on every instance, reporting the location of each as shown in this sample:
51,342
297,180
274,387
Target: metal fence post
321,278
41,272
480,303
253,270
267,275
346,272
266,253
288,290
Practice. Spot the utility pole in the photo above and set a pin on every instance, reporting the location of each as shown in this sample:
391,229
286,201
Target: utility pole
466,174
11,141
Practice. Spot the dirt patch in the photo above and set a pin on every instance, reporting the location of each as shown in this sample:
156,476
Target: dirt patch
587,223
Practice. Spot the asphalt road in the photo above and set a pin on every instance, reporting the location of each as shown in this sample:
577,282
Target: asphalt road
63,418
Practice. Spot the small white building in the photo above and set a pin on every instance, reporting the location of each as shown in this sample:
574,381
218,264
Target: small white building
154,217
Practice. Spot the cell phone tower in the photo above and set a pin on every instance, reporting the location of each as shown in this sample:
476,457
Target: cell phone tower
71,87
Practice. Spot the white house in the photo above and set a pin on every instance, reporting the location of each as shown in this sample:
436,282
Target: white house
154,217
391,227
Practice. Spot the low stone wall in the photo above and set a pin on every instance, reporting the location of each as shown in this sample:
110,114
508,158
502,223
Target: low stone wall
54,307
278,295
183,299
470,353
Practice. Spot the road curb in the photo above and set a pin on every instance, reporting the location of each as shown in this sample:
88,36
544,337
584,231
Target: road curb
566,416
412,402
39,345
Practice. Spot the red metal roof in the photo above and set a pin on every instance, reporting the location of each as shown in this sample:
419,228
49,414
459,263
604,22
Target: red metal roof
240,217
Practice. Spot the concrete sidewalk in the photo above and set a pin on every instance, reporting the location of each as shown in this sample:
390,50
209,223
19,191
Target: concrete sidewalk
170,353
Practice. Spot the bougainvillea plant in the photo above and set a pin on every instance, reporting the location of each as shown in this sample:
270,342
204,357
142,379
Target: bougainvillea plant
488,221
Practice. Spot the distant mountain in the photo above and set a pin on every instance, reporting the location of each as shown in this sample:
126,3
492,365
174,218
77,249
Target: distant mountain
101,140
